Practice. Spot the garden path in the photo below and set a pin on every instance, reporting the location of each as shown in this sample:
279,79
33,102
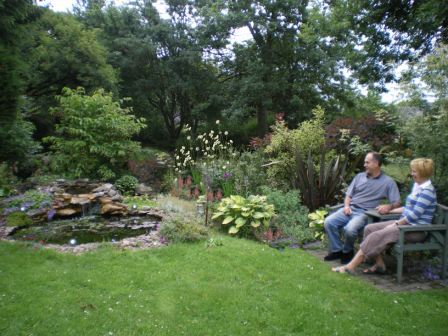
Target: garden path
387,282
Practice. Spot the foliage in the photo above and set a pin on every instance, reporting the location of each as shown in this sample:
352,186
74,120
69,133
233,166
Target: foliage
178,229
18,218
317,219
61,52
126,184
208,158
419,24
18,145
319,186
291,216
94,135
248,172
425,132
14,17
375,130
432,142
162,63
7,180
140,201
31,199
309,137
244,215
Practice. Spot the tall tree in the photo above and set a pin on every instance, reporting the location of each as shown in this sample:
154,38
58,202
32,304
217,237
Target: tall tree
294,61
161,65
62,53
14,15
17,145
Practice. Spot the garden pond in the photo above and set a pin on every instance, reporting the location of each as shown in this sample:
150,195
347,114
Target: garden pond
88,229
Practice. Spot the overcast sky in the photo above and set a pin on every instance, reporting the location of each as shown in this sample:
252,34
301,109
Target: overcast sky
67,5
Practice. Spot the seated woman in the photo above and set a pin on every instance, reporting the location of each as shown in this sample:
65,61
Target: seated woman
419,210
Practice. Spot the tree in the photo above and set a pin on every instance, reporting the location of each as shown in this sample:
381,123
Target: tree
93,138
62,53
426,131
17,145
161,65
298,57
13,17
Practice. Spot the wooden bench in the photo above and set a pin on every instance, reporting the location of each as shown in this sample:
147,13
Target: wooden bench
436,240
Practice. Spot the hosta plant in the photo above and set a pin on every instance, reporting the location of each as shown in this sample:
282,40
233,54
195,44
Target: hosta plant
244,216
317,219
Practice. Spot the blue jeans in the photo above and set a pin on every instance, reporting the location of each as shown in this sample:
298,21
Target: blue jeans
351,225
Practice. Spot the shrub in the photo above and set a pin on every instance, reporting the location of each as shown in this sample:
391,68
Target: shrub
93,138
432,142
291,217
126,184
18,218
245,216
183,229
7,180
317,219
18,145
308,137
149,166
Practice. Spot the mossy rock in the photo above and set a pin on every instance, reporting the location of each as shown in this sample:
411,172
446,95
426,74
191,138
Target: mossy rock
18,218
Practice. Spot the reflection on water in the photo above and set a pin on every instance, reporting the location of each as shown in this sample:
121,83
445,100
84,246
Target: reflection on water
86,230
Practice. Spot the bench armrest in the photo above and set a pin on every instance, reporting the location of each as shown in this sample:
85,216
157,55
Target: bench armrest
418,228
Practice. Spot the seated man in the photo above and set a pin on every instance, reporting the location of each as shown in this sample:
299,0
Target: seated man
366,191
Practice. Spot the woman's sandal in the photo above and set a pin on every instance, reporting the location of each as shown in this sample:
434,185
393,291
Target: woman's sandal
343,269
375,270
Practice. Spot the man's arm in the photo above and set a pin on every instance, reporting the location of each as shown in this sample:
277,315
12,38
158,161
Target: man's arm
347,210
386,208
393,195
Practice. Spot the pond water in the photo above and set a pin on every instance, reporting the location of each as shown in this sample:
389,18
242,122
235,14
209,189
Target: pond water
86,230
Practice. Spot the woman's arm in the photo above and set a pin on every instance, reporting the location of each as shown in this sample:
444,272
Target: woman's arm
397,210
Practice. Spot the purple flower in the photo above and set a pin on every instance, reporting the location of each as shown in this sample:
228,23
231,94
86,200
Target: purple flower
429,273
51,214
227,175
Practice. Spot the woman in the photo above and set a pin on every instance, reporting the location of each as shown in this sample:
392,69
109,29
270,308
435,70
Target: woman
419,210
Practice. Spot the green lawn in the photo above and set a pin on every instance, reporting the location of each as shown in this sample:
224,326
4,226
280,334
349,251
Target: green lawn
240,288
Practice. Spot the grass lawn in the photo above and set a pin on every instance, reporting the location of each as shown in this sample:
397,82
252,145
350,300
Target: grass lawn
240,288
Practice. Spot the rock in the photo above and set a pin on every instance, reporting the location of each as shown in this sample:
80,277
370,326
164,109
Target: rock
143,189
105,200
66,212
38,215
88,196
79,200
99,194
113,209
112,192
117,198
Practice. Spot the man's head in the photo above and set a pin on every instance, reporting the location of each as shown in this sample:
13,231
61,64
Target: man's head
372,164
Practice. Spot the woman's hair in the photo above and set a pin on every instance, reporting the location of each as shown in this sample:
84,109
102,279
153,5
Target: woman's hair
424,167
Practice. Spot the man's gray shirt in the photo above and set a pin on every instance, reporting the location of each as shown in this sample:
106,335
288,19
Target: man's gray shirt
367,192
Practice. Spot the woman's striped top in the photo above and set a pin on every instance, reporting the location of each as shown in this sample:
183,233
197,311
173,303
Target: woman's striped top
420,207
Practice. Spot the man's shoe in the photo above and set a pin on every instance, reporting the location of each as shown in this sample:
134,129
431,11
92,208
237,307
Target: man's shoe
333,256
346,257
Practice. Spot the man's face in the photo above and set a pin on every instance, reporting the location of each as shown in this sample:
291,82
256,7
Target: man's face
370,164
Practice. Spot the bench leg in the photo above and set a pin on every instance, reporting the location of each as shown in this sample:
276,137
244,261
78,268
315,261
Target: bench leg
399,266
444,262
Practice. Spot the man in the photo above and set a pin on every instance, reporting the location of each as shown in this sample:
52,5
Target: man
366,191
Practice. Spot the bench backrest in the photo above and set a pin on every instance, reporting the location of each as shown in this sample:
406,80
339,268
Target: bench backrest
441,215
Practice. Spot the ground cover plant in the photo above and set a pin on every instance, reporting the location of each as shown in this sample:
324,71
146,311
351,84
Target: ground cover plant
236,287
